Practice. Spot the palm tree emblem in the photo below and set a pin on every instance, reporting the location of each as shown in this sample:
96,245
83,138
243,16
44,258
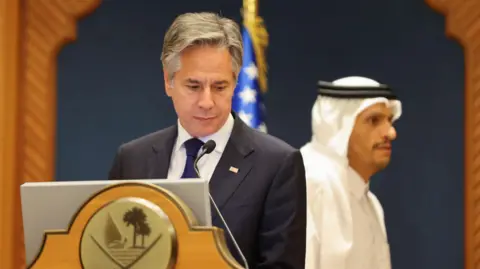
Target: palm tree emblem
132,219
137,219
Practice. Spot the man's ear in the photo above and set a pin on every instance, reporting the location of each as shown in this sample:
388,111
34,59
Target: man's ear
168,83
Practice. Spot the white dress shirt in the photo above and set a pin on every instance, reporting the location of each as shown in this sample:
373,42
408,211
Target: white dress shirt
369,241
207,164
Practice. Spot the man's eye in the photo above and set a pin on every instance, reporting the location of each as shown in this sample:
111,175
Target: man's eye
373,120
193,87
221,88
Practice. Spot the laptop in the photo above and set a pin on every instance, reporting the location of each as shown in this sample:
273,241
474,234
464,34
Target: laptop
52,205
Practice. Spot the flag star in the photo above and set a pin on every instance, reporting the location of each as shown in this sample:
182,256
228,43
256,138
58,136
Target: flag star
251,71
246,117
262,127
248,95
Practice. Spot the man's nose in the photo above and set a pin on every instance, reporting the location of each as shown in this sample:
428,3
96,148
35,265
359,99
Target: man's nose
391,133
206,99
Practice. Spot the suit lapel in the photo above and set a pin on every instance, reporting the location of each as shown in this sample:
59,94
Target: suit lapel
159,160
237,157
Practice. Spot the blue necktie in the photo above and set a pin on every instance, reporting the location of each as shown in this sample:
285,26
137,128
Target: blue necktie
192,147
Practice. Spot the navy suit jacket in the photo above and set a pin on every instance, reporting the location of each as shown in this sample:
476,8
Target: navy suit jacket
264,204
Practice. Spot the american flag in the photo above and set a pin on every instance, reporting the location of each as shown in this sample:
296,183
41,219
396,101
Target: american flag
247,99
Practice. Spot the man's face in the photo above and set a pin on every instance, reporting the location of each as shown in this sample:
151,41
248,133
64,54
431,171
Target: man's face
202,89
369,146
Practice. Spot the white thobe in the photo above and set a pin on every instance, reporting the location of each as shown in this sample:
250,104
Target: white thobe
369,240
345,223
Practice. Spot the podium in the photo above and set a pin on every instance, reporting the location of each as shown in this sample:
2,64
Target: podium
158,230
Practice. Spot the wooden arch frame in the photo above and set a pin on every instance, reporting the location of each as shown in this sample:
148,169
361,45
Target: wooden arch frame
33,31
463,25
31,34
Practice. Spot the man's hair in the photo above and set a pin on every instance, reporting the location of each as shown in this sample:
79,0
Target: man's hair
199,29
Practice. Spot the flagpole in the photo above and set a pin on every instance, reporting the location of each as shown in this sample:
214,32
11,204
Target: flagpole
250,8
259,35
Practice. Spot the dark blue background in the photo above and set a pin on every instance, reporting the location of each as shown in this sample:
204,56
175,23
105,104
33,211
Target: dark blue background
110,88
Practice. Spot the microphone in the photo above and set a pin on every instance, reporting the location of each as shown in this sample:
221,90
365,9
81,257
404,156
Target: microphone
207,148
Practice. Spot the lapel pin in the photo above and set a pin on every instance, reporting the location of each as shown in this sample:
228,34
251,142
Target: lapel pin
233,169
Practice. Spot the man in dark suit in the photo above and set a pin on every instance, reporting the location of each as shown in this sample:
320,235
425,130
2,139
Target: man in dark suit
257,181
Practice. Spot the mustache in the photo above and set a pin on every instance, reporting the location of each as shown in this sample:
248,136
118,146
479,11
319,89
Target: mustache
380,145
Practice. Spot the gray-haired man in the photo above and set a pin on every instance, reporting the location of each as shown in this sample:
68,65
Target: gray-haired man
263,201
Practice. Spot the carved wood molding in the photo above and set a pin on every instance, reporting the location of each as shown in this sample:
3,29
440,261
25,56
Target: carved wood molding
31,102
463,24
49,25
9,43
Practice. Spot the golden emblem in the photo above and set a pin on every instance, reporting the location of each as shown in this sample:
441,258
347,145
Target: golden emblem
128,233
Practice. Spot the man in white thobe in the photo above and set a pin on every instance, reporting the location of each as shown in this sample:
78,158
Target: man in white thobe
352,121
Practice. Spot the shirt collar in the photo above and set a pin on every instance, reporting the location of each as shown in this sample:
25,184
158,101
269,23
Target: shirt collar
221,137
356,184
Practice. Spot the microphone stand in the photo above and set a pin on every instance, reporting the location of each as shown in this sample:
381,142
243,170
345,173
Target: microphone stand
207,148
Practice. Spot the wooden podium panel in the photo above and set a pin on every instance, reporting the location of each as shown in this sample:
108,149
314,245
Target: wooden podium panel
134,225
